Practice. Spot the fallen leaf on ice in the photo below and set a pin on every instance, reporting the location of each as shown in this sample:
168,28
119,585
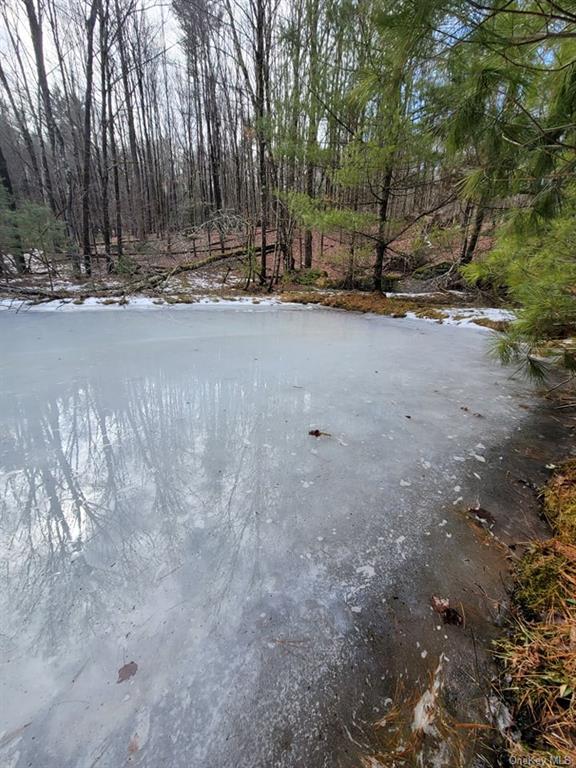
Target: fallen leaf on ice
449,615
440,604
484,517
127,671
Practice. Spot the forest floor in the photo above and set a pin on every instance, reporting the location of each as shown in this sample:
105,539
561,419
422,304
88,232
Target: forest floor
163,262
413,296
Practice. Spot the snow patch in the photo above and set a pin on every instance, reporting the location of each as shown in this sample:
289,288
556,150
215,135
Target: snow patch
134,302
465,316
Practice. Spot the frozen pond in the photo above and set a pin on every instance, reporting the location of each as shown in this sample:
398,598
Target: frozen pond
162,503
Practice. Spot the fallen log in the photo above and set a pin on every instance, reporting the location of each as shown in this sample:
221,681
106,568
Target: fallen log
150,282
40,293
190,266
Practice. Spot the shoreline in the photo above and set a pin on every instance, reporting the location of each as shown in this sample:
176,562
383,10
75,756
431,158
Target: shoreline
427,307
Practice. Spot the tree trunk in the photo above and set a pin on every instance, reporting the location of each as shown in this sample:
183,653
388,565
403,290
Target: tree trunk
22,127
468,253
261,130
308,232
313,17
104,137
115,171
38,45
137,201
86,246
7,182
382,222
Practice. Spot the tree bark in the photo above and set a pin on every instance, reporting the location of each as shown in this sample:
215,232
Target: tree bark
472,242
382,222
20,121
137,201
86,245
104,136
7,182
38,45
261,132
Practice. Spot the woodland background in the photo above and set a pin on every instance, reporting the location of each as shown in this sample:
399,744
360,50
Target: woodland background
357,140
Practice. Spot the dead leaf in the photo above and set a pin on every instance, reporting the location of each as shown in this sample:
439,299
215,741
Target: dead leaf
134,744
467,410
452,616
449,615
127,671
484,517
318,433
440,604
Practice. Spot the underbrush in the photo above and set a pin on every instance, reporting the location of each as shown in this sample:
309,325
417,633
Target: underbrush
306,277
539,658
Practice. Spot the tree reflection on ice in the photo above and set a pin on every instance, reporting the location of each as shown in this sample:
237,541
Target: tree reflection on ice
105,494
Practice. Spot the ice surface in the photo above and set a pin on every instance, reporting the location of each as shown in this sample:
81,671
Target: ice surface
162,502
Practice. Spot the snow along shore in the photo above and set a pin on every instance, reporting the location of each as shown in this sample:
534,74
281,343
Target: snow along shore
461,316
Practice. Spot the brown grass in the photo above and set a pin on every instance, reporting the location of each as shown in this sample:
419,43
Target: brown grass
353,301
495,325
539,658
401,745
428,307
180,298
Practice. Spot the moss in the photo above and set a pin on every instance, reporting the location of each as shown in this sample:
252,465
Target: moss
540,583
560,502
495,325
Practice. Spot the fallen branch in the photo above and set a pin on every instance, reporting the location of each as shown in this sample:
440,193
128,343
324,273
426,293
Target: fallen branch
39,293
189,266
151,282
